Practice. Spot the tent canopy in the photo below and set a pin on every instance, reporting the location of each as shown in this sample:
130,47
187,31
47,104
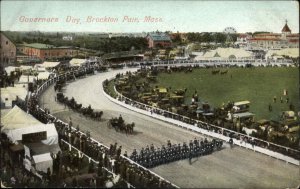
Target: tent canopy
43,162
25,67
17,123
225,53
243,115
50,64
16,118
41,148
291,52
77,62
43,75
9,94
10,69
26,78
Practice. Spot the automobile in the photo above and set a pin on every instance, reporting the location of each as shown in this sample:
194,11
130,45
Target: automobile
242,106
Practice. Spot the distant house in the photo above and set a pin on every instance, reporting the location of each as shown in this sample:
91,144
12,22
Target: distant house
8,50
243,39
67,38
158,39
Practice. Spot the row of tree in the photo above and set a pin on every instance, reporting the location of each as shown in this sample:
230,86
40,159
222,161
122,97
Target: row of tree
95,42
211,37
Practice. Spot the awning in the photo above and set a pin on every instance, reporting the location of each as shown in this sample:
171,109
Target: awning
242,115
16,147
162,90
242,103
40,148
43,162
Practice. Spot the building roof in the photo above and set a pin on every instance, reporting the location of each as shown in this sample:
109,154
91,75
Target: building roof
8,37
264,39
159,36
293,35
294,41
39,45
286,28
268,34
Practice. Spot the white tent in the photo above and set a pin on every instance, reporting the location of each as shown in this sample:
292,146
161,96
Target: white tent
25,67
43,75
78,62
43,162
40,69
225,53
9,94
10,69
16,123
50,64
25,79
291,52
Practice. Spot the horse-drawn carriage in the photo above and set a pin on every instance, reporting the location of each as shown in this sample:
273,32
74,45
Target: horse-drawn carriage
119,125
59,85
71,103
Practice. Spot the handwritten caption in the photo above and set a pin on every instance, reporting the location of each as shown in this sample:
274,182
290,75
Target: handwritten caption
92,19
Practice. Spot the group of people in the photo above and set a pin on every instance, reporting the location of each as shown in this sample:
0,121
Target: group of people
282,100
151,156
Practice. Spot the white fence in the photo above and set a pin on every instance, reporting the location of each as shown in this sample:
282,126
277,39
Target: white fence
145,109
204,63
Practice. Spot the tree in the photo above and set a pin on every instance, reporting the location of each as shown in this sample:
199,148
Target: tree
219,37
207,37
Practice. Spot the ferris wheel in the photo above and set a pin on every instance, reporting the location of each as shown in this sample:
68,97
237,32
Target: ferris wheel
229,30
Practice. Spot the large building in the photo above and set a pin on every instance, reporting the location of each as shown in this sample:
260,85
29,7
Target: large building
158,39
285,39
45,51
8,50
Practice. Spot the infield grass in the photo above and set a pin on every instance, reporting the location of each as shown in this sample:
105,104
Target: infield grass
258,85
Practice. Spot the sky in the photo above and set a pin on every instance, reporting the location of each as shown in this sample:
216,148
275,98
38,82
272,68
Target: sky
182,16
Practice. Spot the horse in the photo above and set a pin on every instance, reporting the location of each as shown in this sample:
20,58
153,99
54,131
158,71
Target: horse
224,72
249,131
215,72
130,127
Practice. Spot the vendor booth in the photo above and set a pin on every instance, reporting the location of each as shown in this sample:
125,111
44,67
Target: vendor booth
38,140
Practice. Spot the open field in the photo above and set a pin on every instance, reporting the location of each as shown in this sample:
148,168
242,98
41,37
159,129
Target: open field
258,85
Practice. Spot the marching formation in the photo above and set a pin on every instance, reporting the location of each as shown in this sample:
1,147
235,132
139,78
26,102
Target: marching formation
150,156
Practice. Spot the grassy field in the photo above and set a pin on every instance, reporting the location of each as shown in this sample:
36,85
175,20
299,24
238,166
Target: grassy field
258,85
